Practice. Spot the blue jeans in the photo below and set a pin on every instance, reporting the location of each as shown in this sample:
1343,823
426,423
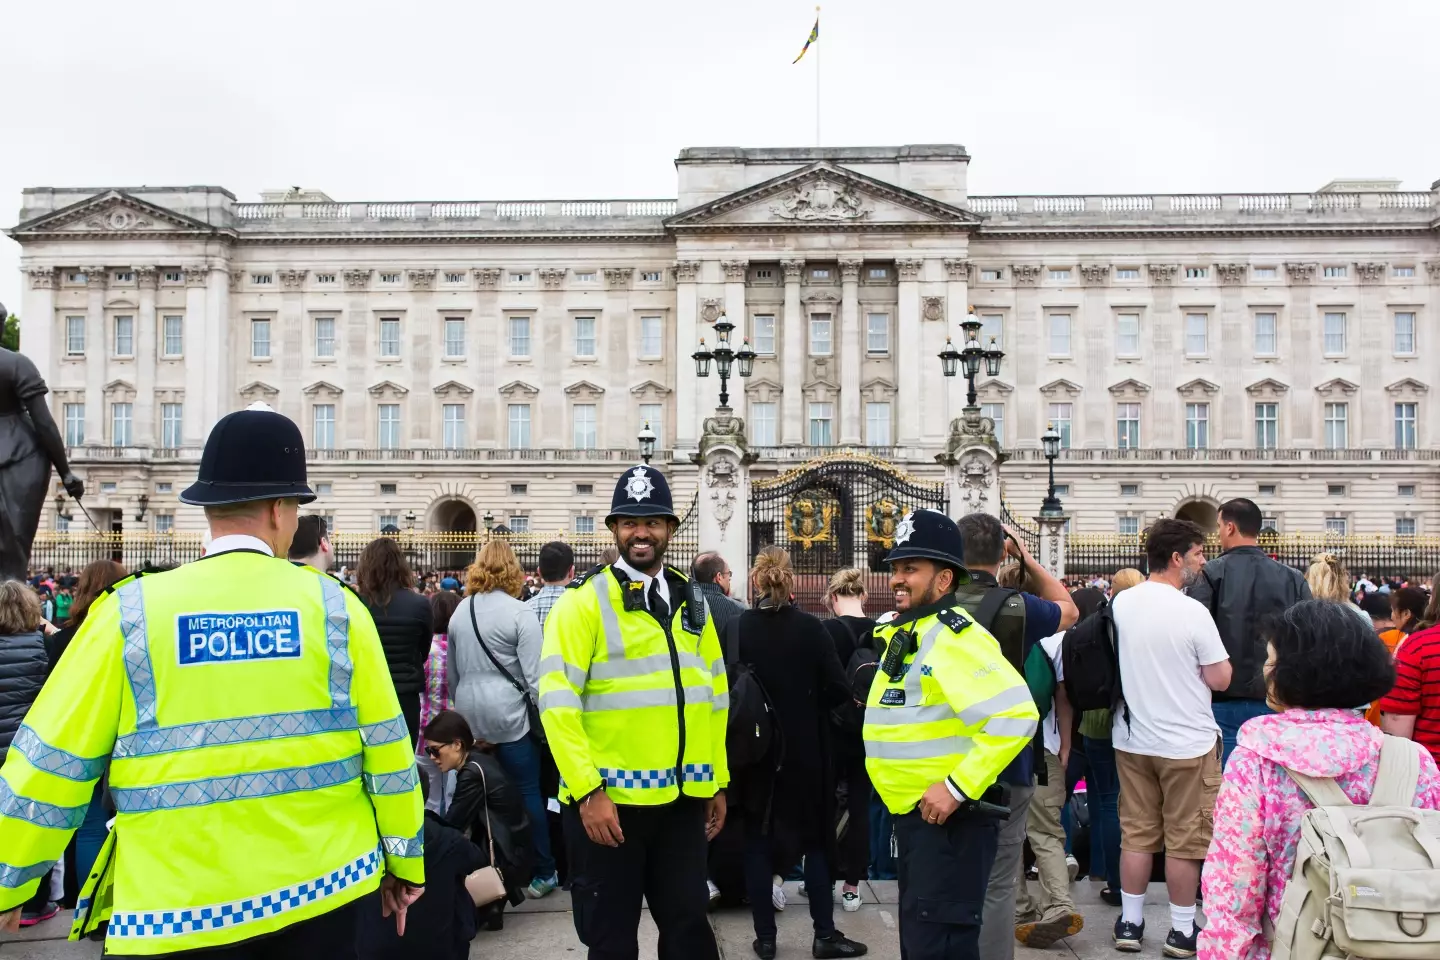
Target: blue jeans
1103,783
522,762
882,865
1231,715
91,836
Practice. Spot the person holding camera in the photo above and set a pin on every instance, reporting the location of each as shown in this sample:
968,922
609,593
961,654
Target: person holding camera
946,714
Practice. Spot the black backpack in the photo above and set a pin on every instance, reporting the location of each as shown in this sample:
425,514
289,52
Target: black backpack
751,733
859,674
1090,654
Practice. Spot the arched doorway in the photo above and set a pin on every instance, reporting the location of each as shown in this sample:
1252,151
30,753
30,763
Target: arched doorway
453,516
1201,512
455,521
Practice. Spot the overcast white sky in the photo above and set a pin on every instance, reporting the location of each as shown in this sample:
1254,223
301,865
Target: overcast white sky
434,99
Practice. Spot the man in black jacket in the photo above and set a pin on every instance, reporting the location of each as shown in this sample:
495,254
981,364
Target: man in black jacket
713,575
1240,588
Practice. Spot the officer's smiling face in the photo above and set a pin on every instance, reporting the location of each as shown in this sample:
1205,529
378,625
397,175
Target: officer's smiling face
917,582
642,541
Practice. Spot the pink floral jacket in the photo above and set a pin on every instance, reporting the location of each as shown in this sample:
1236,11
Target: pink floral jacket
1257,816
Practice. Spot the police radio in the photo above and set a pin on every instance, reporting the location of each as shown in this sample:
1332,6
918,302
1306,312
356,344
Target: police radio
902,643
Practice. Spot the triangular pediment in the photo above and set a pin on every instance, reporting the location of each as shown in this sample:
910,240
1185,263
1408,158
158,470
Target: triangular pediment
119,385
650,386
822,195
258,388
584,386
1130,386
877,383
995,386
1409,385
1061,386
453,386
821,382
1198,385
388,385
322,386
1338,385
519,386
113,213
1269,386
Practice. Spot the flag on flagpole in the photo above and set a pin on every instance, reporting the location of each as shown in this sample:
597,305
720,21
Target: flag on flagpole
814,35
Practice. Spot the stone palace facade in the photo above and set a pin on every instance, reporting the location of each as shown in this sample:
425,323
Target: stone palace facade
450,360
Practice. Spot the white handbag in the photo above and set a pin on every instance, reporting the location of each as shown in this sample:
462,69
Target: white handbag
487,884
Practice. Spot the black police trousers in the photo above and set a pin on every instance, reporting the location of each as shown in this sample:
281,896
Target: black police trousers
943,871
663,861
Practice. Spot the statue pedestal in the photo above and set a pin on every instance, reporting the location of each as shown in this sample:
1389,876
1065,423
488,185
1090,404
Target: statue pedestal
972,461
724,502
1052,542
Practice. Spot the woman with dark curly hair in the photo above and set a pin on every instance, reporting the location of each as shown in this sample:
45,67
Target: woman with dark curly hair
402,618
1323,664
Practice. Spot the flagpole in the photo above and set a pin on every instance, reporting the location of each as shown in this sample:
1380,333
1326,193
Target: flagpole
817,80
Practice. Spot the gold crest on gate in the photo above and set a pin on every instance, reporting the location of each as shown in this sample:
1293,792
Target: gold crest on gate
881,521
809,519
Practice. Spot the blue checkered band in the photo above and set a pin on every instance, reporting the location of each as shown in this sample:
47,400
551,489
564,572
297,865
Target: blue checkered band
39,812
387,731
337,640
42,756
243,786
214,733
13,877
378,784
698,773
137,654
171,923
637,779
403,846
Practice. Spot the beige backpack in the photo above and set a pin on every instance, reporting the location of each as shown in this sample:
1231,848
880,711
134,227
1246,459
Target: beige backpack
1366,882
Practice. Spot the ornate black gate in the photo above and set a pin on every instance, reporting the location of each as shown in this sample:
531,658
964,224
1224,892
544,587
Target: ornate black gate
835,512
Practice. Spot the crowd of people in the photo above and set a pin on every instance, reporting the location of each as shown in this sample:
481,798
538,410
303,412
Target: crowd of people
1243,684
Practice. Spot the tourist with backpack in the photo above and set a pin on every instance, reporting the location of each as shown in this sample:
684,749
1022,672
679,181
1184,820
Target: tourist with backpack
1018,621
1299,778
786,798
849,628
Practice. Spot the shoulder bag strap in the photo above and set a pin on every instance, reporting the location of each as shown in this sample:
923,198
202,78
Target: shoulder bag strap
990,605
475,624
1322,791
1399,774
485,797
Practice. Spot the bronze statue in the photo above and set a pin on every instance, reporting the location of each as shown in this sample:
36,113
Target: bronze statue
30,444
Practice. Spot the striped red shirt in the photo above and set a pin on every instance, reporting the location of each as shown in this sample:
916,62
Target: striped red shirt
1417,687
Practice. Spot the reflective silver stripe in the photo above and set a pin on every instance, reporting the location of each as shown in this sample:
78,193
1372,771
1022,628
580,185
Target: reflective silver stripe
978,713
213,733
401,781
717,666
137,653
643,666
897,716
386,731
609,623
551,699
913,688
13,877
62,763
722,702
405,846
1010,727
39,812
337,640
556,664
637,699
917,750
243,786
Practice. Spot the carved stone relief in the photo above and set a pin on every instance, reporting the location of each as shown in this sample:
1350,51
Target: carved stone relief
820,200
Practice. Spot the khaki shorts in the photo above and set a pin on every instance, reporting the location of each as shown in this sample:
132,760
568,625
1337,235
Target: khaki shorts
1168,805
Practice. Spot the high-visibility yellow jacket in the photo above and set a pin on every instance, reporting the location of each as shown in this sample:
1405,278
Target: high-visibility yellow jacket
631,701
958,711
258,758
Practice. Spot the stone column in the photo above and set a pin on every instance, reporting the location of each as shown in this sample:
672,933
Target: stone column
1029,412
1376,410
1094,329
792,359
1303,322
687,340
290,357
219,393
352,414
724,488
934,392
1052,543
492,346
42,337
147,349
907,354
972,461
193,426
1233,351
423,340
852,350
620,418
735,310
1167,423
97,354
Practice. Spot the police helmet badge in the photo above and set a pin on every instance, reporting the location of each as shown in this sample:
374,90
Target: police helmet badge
639,486
905,528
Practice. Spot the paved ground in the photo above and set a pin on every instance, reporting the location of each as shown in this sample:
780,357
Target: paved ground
543,931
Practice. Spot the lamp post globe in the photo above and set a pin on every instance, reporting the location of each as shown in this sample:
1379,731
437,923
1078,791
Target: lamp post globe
1050,441
647,442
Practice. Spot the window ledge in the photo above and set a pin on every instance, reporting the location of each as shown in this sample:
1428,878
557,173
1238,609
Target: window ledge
524,360
453,359
261,359
388,360
171,357
122,357
323,359
586,360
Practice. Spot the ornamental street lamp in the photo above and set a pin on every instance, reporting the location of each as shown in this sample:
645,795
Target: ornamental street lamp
647,442
972,356
410,521
489,519
1051,442
725,358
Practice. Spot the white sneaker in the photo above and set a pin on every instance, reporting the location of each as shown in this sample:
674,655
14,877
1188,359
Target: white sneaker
777,894
714,890
850,900
1073,866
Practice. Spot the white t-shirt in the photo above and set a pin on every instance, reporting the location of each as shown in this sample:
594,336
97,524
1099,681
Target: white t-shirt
1051,723
1165,638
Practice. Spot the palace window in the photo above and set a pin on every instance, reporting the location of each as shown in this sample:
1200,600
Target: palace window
124,336
453,426
1337,427
74,424
1267,426
259,339
764,339
519,337
172,336
172,418
389,431
323,436
1197,425
1127,426
822,416
1405,426
75,336
389,336
121,420
762,424
518,419
1265,335
324,336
